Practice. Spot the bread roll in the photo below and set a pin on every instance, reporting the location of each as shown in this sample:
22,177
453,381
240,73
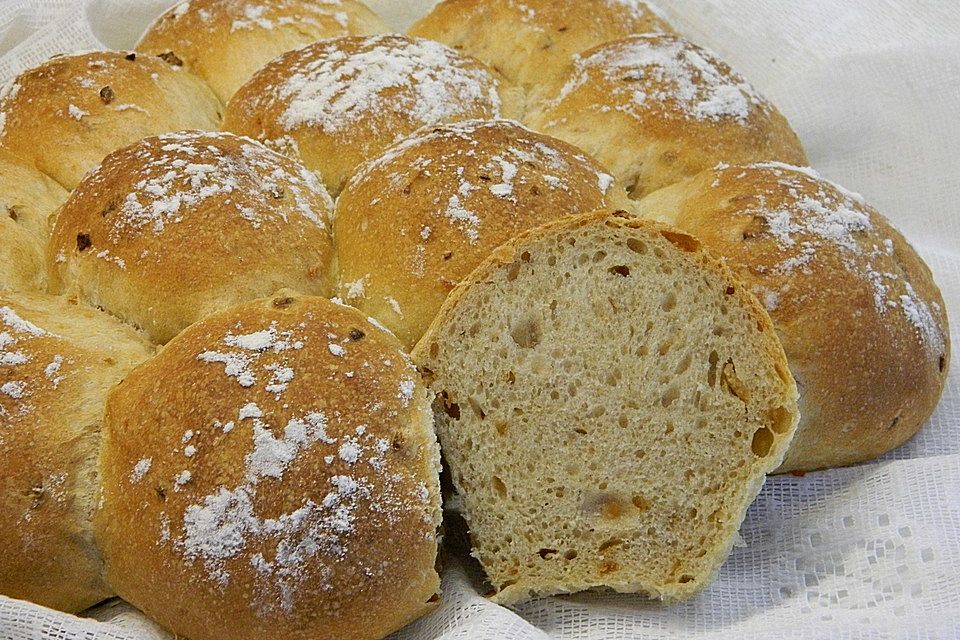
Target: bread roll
273,473
336,103
413,223
611,399
860,317
27,198
534,41
655,109
226,41
177,226
58,359
65,115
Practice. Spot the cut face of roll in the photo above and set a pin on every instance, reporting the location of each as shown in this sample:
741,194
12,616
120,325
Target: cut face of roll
413,223
533,41
656,109
226,41
68,113
177,226
610,400
273,472
860,317
339,102
58,359
27,198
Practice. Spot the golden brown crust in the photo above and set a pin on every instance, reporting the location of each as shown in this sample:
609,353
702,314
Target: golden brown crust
655,109
226,41
273,471
27,198
68,113
533,41
441,201
860,317
177,226
339,102
58,359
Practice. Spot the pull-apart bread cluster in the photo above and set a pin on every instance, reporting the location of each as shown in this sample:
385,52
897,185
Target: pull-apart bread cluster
579,254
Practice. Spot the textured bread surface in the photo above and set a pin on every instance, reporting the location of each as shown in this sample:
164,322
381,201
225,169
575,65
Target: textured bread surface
411,224
533,42
338,102
655,109
27,198
273,472
861,320
226,41
58,359
66,114
178,226
610,399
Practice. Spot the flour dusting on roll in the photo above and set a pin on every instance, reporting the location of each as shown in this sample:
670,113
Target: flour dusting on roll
226,41
285,485
177,226
339,102
58,360
414,222
860,317
66,114
656,109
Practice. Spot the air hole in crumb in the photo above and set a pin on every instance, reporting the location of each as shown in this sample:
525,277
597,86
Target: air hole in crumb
731,290
732,383
665,347
452,409
570,555
552,260
525,256
669,396
581,431
620,270
636,246
554,395
499,487
282,303
623,422
513,271
895,421
596,412
762,442
712,371
641,503
501,428
527,333
669,301
476,408
683,365
434,350
546,554
599,255
511,377
609,544
942,363
83,241
780,419
685,578
668,429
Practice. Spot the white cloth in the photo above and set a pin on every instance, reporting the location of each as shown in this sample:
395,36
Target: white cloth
873,89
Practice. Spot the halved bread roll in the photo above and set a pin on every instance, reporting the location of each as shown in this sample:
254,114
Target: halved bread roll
610,399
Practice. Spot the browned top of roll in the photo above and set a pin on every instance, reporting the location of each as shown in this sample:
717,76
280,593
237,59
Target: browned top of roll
861,319
273,472
58,359
226,41
66,114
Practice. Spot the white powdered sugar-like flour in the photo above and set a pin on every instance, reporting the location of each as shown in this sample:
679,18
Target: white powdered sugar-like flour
15,335
305,542
646,72
451,153
835,219
422,80
178,172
